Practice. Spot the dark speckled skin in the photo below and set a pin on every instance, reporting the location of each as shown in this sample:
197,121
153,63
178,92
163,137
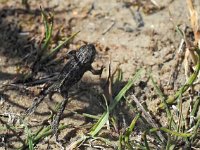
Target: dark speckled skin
80,62
73,71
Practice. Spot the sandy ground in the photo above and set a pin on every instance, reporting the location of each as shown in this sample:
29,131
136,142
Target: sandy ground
111,26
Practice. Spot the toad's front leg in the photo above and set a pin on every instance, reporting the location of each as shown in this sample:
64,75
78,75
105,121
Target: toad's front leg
96,72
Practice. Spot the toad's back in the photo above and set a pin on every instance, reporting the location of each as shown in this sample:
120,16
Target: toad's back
73,71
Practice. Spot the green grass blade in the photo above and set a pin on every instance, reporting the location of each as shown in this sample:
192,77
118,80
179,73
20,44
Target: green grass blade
101,122
120,141
192,78
48,23
179,134
57,48
161,95
30,143
44,133
196,128
131,127
125,89
145,140
195,107
119,76
104,118
29,135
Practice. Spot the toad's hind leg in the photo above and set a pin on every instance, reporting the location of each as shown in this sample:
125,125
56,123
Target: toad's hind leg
35,104
57,118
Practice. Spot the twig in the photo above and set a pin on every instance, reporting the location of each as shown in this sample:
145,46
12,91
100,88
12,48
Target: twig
155,3
108,29
148,117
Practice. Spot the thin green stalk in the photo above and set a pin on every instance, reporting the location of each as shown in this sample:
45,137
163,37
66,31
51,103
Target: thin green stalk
57,48
196,128
120,142
183,135
48,23
161,95
169,136
131,127
145,140
195,107
44,133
